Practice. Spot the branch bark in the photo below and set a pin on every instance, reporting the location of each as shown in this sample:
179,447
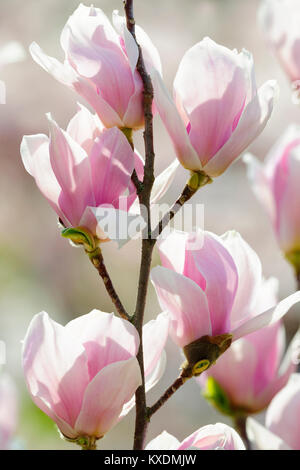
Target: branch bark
98,262
147,243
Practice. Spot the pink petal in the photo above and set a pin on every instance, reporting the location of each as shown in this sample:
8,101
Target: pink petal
61,72
92,47
289,214
55,368
211,86
217,267
235,373
72,170
249,276
213,437
84,128
260,185
105,338
36,159
267,318
150,382
163,441
66,75
174,125
282,416
252,122
163,181
185,302
155,334
105,396
172,250
112,163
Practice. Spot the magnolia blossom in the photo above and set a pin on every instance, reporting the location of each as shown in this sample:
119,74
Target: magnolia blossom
212,437
276,185
279,20
100,65
218,110
282,420
8,411
209,286
253,369
81,169
84,375
85,173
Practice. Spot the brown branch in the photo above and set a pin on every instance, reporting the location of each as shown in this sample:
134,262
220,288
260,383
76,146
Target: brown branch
185,196
137,183
98,261
298,279
147,243
240,427
184,376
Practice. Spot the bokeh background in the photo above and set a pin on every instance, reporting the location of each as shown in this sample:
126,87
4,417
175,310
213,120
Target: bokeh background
40,271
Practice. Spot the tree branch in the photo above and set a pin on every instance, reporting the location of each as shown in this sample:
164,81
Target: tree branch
98,261
147,243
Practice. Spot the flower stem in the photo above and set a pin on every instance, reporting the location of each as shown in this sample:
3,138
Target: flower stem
97,260
240,427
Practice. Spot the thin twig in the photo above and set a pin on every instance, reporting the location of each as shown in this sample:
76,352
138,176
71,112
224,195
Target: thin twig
185,196
137,183
240,427
298,279
98,261
168,393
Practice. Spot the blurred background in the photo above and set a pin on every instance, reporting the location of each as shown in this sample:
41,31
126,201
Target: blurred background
40,271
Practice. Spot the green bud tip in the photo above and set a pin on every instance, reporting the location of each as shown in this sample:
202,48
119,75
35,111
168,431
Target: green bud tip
81,236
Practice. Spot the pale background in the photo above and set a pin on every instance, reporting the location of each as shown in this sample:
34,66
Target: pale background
41,271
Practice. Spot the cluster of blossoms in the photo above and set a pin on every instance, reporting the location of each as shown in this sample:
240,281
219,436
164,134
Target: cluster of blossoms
216,305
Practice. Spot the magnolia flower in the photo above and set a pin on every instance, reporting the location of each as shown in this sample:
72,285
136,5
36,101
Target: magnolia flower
209,286
212,437
276,185
282,420
83,375
85,173
279,20
218,111
10,53
100,65
250,373
8,411
81,169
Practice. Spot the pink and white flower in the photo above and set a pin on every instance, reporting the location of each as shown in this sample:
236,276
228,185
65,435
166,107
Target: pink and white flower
84,375
82,169
212,437
276,185
253,369
100,65
279,20
218,110
211,287
282,420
